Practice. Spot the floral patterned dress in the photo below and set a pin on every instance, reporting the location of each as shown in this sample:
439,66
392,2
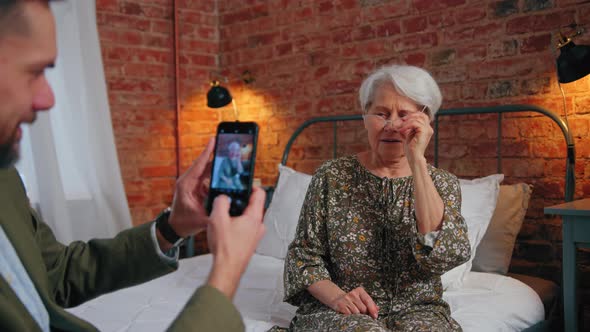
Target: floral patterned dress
357,229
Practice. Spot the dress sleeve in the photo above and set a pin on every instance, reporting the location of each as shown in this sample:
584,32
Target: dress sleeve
307,256
451,246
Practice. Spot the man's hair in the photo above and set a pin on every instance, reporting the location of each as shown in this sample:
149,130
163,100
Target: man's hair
12,17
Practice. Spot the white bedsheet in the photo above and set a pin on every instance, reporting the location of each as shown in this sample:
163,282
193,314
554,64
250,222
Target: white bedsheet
487,302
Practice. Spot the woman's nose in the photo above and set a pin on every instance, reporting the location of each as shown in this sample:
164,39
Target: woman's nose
393,123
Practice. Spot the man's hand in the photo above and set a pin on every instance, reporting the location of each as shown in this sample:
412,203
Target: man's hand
188,215
232,241
356,301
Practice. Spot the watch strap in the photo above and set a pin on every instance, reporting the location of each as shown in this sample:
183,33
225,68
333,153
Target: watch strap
166,230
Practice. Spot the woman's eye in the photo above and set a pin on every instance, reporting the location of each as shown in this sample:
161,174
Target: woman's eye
382,115
403,114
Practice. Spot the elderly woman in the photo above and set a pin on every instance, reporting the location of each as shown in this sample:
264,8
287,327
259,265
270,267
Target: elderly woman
378,229
231,168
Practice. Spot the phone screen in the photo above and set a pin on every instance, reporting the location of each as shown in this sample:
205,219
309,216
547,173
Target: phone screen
233,165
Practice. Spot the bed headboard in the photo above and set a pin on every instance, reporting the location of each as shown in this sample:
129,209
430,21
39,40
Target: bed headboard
499,110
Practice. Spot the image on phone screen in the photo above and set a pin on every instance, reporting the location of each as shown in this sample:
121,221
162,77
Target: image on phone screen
233,165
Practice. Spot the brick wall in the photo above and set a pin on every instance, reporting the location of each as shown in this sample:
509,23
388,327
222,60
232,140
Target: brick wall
309,58
138,53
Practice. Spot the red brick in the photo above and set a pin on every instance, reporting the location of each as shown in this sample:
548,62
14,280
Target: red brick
535,86
548,149
121,37
536,43
283,49
422,40
123,21
474,91
538,127
161,26
472,53
107,5
539,22
147,70
325,6
523,168
441,20
579,128
387,10
389,28
157,171
415,24
245,14
502,48
415,59
363,33
443,57
130,8
472,14
550,189
158,12
462,33
428,5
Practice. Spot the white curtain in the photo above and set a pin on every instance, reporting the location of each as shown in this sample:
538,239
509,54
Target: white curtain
68,161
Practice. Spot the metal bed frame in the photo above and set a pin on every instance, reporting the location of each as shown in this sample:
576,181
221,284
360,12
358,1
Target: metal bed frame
570,157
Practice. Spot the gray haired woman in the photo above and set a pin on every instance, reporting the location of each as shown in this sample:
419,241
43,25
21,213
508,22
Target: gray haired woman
378,229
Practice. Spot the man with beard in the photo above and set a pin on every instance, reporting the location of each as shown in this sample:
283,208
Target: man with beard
40,276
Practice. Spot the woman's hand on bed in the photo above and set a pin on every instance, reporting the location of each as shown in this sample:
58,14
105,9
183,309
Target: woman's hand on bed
188,215
232,241
357,301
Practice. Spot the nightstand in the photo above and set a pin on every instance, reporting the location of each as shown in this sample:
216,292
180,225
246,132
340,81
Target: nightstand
576,234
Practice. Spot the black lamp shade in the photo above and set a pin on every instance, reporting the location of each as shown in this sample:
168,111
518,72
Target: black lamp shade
218,96
573,62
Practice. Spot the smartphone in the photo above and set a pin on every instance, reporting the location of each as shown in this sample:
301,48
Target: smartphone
232,170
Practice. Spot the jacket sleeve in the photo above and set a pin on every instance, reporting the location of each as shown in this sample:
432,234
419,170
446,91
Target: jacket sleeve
208,310
84,270
451,246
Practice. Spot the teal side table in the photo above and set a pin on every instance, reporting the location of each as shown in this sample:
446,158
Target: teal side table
576,234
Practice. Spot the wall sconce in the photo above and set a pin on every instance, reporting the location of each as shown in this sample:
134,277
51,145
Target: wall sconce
219,96
573,62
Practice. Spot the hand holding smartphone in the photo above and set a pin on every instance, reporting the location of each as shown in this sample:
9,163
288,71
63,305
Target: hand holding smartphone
232,169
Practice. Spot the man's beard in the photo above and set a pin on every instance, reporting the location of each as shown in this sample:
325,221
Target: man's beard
8,154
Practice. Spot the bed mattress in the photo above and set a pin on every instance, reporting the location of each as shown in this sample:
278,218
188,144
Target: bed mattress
487,302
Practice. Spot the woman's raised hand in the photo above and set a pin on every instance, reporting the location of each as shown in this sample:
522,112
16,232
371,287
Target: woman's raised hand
416,133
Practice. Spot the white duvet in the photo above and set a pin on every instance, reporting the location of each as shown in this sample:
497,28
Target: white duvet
486,302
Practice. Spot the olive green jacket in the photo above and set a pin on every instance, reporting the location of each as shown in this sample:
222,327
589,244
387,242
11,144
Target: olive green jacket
66,276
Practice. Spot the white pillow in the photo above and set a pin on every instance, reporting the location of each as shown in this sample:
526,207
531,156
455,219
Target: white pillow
478,202
479,197
282,215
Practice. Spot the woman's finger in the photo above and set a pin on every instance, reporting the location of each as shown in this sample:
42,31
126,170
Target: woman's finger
358,303
372,309
353,309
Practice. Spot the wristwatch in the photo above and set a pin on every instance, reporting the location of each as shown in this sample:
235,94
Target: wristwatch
164,227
